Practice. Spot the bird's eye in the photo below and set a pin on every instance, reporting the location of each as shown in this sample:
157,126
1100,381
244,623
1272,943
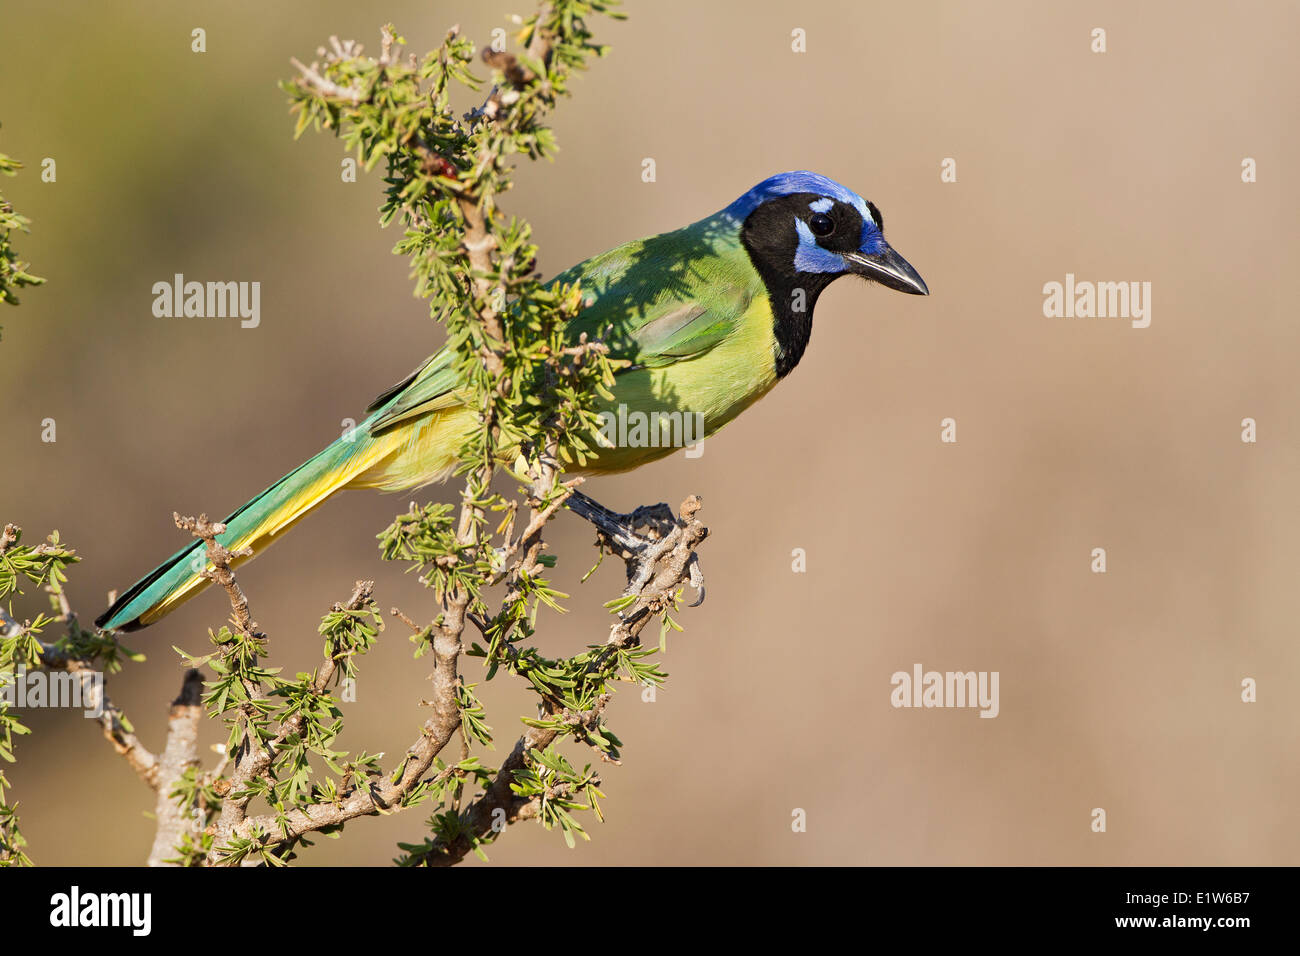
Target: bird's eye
821,224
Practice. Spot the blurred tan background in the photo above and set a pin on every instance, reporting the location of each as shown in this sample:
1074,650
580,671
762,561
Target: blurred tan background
1119,691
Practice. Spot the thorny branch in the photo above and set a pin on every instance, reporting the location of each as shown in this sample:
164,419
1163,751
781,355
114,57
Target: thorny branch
112,721
657,547
180,754
160,772
655,576
658,564
251,759
658,576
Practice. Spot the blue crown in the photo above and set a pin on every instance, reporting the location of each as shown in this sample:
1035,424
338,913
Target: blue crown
799,181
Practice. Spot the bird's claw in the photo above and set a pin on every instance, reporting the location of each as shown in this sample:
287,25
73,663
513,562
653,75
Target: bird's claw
696,579
633,537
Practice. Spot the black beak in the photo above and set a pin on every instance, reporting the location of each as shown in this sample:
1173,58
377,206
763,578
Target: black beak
889,269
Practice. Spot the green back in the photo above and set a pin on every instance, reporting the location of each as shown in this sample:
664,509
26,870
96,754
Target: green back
654,302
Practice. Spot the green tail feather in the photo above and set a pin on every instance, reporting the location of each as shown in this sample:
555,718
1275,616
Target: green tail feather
182,571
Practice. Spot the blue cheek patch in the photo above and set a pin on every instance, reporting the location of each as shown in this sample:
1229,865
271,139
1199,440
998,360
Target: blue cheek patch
810,257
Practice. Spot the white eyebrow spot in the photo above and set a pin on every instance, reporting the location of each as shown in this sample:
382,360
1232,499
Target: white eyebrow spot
822,205
860,205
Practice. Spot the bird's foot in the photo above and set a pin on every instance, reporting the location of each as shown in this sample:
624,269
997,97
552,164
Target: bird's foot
639,537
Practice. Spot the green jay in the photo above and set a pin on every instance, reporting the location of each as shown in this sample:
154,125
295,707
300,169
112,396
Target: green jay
708,318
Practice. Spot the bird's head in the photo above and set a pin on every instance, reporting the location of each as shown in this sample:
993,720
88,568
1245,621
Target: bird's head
805,230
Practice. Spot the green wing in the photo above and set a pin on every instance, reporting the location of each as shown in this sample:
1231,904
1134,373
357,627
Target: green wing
654,302
664,332
668,298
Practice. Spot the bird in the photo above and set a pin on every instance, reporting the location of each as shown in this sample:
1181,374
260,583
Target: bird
705,320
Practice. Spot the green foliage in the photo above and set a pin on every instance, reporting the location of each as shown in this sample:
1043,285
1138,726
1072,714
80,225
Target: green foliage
446,827
348,633
13,272
473,717
196,793
443,171
535,388
41,566
293,720
557,786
